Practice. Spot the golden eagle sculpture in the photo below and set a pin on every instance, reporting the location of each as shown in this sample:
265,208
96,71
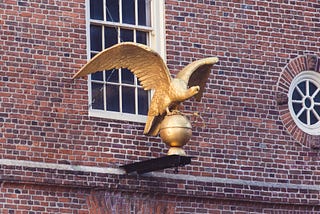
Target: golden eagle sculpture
153,73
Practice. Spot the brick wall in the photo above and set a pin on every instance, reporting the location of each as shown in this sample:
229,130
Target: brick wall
21,198
18,198
57,159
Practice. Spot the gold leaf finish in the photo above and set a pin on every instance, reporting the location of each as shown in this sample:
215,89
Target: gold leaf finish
153,73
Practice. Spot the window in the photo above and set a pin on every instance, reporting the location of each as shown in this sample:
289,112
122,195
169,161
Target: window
117,94
304,101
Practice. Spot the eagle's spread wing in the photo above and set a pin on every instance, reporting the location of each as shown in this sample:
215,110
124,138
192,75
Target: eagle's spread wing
197,73
145,63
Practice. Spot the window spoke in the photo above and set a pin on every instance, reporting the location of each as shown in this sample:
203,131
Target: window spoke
308,117
315,93
316,114
300,112
300,92
307,87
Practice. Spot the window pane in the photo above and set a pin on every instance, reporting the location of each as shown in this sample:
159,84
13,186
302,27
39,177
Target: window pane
128,100
128,11
141,37
317,97
302,87
142,12
127,76
96,38
112,98
92,55
303,117
112,75
112,10
96,9
297,107
296,95
312,88
313,118
317,109
126,35
97,76
111,36
97,96
142,101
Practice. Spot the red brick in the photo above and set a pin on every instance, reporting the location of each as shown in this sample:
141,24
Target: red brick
247,136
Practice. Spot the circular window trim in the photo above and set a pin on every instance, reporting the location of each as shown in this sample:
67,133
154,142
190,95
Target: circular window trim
305,76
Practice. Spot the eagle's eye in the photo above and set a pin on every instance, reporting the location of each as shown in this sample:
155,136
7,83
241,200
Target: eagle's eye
195,89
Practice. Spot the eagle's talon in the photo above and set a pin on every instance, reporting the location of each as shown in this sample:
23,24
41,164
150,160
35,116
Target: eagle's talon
172,112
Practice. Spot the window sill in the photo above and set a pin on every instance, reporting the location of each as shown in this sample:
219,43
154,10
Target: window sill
117,116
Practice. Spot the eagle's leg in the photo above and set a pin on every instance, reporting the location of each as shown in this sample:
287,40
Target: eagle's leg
173,111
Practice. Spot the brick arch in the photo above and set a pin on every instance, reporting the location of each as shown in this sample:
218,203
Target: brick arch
292,69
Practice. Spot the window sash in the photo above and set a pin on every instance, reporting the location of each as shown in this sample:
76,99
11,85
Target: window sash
119,25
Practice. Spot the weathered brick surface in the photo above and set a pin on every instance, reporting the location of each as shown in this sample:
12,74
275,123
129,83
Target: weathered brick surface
118,202
248,136
21,198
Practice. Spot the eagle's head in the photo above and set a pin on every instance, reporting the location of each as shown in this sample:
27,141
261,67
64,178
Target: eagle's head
193,90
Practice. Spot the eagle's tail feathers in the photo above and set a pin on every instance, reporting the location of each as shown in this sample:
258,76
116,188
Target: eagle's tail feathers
152,127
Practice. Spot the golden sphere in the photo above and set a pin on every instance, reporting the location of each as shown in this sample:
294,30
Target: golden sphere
175,130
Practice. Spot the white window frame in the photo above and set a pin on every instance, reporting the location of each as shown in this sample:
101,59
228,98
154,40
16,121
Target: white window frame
309,76
156,42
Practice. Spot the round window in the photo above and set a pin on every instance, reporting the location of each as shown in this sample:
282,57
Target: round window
304,101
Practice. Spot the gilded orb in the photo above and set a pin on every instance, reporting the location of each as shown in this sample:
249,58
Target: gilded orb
175,131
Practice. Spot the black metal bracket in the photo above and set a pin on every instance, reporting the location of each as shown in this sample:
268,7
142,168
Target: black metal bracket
157,164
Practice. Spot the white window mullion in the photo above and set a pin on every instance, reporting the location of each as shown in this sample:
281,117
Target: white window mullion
136,107
119,70
120,21
149,13
88,24
120,11
135,78
136,12
120,90
104,10
104,96
122,25
104,91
